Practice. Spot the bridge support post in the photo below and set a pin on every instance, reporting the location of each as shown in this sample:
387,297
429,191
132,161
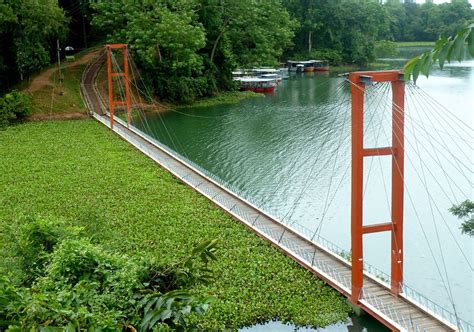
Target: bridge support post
111,74
358,82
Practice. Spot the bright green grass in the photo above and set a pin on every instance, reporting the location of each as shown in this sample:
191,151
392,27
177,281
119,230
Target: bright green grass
81,171
415,44
231,97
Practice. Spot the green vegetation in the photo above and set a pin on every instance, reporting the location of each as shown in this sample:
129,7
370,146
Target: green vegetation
415,44
80,172
187,49
27,31
223,98
349,28
465,211
385,49
51,98
71,283
352,28
190,47
14,106
446,49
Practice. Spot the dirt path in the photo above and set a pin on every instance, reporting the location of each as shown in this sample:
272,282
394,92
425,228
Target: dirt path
42,79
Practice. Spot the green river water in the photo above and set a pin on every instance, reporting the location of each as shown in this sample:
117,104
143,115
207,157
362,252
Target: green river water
290,152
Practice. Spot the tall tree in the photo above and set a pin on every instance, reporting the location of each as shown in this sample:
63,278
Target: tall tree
28,32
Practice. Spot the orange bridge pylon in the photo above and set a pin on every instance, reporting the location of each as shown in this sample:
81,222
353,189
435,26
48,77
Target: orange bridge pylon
358,81
111,75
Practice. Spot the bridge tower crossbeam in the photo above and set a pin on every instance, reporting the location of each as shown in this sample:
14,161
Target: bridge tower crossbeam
111,74
358,81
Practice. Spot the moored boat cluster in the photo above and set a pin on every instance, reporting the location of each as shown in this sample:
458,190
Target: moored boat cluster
265,80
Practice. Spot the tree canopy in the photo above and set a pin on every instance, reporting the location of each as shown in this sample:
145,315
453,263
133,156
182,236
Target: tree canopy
191,46
27,28
188,48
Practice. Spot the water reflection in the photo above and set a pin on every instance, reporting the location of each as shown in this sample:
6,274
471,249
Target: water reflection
355,324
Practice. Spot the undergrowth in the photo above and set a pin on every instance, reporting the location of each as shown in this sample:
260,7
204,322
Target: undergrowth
126,204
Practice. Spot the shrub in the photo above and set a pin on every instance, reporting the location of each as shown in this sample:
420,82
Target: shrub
35,240
75,284
385,49
14,106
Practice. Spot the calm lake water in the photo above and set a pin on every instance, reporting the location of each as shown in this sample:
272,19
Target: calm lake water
290,151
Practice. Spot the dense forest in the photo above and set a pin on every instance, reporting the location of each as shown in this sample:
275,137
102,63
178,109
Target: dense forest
188,48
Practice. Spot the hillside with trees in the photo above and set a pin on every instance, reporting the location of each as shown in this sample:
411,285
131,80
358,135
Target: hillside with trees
187,49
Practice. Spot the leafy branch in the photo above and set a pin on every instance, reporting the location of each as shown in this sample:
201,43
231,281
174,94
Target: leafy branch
465,211
446,49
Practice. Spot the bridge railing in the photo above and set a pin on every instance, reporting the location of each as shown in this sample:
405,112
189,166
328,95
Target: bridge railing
440,311
373,271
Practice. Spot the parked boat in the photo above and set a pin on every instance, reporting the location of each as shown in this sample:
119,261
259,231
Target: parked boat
308,66
256,84
276,77
321,65
268,73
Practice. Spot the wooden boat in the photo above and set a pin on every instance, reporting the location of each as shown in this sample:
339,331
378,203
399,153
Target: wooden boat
321,65
308,66
268,73
256,84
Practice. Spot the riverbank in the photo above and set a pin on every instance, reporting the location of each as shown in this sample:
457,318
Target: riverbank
223,98
82,172
415,44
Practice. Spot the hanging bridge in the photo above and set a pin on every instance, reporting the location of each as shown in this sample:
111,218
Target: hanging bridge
385,297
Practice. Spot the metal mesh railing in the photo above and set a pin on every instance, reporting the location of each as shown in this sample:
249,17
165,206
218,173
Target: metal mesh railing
375,273
369,269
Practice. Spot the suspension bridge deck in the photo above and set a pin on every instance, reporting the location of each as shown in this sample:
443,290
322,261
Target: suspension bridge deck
398,313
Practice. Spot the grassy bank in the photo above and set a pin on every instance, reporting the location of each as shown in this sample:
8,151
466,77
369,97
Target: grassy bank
223,98
348,68
415,44
81,171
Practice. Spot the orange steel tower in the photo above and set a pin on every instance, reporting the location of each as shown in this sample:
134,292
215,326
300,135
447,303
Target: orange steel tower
111,75
358,82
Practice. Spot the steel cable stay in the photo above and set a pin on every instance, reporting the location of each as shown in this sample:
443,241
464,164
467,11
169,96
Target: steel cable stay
442,143
441,187
434,221
384,86
346,137
437,157
431,199
413,89
432,112
446,283
175,142
142,115
438,163
312,168
445,110
295,162
298,160
430,154
310,178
